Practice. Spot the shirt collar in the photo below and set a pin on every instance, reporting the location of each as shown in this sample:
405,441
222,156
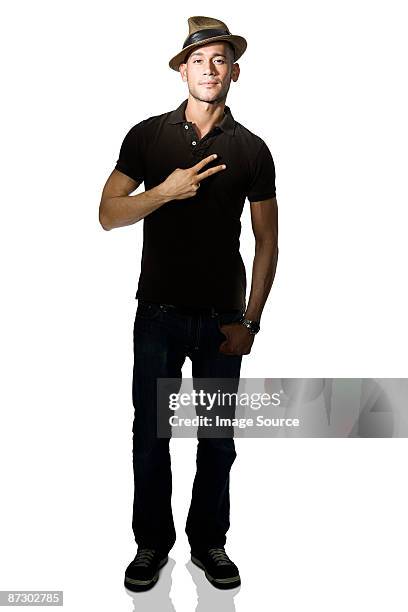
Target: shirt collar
227,124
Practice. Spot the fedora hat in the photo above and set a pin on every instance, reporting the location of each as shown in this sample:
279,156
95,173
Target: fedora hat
203,30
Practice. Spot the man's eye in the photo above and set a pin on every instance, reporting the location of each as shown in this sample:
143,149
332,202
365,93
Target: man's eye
219,60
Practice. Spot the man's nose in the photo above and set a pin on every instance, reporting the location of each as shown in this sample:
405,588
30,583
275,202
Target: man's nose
209,68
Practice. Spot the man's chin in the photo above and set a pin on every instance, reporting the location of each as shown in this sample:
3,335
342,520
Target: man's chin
210,97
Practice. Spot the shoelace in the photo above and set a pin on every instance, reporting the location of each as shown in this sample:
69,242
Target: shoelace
220,556
144,556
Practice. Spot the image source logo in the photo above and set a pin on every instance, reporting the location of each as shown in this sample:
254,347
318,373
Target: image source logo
283,407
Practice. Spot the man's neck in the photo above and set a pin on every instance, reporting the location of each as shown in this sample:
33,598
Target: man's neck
204,115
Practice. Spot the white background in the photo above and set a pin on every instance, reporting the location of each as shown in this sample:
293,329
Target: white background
315,523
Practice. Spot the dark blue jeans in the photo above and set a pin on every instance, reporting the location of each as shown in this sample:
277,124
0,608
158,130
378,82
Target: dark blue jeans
163,337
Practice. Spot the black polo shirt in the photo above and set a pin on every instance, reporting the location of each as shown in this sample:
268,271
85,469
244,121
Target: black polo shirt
191,247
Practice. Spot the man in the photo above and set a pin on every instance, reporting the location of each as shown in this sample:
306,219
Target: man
198,165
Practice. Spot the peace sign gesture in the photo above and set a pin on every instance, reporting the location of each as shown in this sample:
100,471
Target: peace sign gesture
182,184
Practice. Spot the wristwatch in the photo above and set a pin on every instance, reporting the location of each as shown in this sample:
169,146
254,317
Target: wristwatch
253,326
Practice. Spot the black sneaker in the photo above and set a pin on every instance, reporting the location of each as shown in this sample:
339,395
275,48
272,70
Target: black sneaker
218,567
143,572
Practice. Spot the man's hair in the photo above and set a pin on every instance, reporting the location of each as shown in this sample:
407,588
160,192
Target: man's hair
228,45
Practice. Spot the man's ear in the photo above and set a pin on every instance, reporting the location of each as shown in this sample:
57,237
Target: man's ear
183,71
235,72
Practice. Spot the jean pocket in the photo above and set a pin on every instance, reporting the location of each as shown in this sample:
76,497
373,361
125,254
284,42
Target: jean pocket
147,310
225,318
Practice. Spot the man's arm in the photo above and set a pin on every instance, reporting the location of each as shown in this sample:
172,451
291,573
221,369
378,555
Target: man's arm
117,208
264,217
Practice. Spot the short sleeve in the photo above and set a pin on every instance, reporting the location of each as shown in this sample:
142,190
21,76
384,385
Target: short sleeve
130,160
262,186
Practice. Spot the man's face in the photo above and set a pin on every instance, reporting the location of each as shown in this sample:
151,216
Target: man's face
208,72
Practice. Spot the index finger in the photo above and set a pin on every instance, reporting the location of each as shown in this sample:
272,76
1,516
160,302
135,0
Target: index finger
204,161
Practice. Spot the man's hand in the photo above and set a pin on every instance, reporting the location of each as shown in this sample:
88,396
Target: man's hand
239,339
182,184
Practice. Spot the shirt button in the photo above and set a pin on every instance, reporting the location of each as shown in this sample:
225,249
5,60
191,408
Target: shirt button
186,127
194,142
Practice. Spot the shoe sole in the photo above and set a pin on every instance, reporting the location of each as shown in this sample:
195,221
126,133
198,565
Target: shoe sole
143,585
220,583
